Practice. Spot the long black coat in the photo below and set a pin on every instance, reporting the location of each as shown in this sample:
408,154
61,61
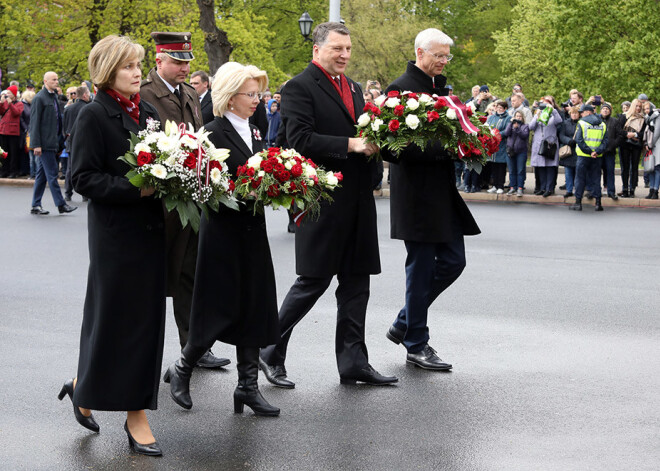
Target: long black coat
317,124
207,108
234,299
121,344
424,203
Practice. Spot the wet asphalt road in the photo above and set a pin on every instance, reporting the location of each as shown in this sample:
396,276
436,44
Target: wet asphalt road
553,330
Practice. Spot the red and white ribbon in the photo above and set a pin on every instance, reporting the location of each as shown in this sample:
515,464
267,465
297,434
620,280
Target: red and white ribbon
461,114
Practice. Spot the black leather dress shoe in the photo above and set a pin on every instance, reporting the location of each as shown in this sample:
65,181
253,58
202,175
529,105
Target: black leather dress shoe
209,360
66,208
395,335
150,449
276,374
368,375
428,360
39,210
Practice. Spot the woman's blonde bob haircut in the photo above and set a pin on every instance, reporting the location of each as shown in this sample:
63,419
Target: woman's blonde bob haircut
229,79
108,55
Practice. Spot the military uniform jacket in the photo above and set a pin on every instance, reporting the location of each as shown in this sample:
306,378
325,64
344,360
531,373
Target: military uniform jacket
344,239
424,203
187,110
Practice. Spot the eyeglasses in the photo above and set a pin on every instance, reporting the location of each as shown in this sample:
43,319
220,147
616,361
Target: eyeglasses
251,95
447,58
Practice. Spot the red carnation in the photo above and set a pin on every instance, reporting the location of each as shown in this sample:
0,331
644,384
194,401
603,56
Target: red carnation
279,167
432,116
4,155
256,183
241,170
232,186
483,119
215,164
315,179
292,186
244,180
273,191
394,125
267,166
339,176
143,158
250,172
469,111
398,110
412,96
393,94
296,170
377,111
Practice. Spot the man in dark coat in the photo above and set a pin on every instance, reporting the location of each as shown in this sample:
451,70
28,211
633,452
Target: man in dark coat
166,89
46,138
70,114
427,212
200,82
319,107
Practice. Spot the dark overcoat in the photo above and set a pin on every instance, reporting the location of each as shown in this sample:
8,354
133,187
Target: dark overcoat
187,110
234,299
424,203
317,124
121,344
207,108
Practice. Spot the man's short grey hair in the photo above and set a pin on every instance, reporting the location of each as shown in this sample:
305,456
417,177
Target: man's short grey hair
321,32
432,36
203,76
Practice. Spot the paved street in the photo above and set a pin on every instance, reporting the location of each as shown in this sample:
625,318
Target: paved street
553,331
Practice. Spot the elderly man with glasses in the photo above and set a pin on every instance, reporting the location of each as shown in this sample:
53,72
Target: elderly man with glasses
427,212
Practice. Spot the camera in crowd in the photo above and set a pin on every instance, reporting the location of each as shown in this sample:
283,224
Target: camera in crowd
542,105
567,104
516,121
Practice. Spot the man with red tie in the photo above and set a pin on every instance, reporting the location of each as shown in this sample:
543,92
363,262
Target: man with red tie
319,108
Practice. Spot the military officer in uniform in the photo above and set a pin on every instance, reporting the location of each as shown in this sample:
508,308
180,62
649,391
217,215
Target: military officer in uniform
166,89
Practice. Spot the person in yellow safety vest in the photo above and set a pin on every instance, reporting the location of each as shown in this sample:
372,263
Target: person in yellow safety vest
591,142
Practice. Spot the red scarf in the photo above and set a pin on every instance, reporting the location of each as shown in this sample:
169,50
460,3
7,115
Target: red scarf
129,106
344,91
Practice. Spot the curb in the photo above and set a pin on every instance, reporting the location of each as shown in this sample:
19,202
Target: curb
481,196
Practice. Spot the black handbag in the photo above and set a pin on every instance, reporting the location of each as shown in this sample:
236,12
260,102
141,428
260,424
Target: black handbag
548,149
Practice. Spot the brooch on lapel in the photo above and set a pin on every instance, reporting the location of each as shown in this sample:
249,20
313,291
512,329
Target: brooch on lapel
256,134
352,88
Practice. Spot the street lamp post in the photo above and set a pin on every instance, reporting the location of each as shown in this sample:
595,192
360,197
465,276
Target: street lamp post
305,22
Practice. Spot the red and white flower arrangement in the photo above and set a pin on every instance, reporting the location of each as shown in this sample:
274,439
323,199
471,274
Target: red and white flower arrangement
278,177
186,169
3,155
399,119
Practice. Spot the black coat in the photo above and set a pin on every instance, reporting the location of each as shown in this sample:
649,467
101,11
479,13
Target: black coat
71,112
317,124
234,299
424,203
121,344
207,108
260,119
567,137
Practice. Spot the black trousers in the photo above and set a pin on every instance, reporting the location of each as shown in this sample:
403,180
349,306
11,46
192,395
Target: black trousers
183,294
629,155
498,171
12,164
352,296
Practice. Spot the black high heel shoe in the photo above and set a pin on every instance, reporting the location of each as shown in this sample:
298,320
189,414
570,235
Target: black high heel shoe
150,449
87,422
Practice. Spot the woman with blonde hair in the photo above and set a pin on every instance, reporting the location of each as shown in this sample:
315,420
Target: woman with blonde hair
121,342
631,148
234,299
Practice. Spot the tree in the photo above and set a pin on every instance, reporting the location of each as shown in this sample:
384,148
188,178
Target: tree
216,43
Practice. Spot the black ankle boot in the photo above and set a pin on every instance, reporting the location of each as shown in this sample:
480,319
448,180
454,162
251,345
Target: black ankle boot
599,207
247,391
655,195
178,375
577,206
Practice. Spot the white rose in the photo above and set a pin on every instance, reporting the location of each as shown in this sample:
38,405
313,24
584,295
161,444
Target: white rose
363,120
380,100
375,126
261,173
392,102
332,180
451,113
412,104
310,171
425,99
141,147
412,121
254,161
158,171
288,164
216,175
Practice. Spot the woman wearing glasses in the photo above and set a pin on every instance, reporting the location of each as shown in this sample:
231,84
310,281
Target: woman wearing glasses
234,299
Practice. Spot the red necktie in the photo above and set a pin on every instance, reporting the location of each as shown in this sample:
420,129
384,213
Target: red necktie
337,81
